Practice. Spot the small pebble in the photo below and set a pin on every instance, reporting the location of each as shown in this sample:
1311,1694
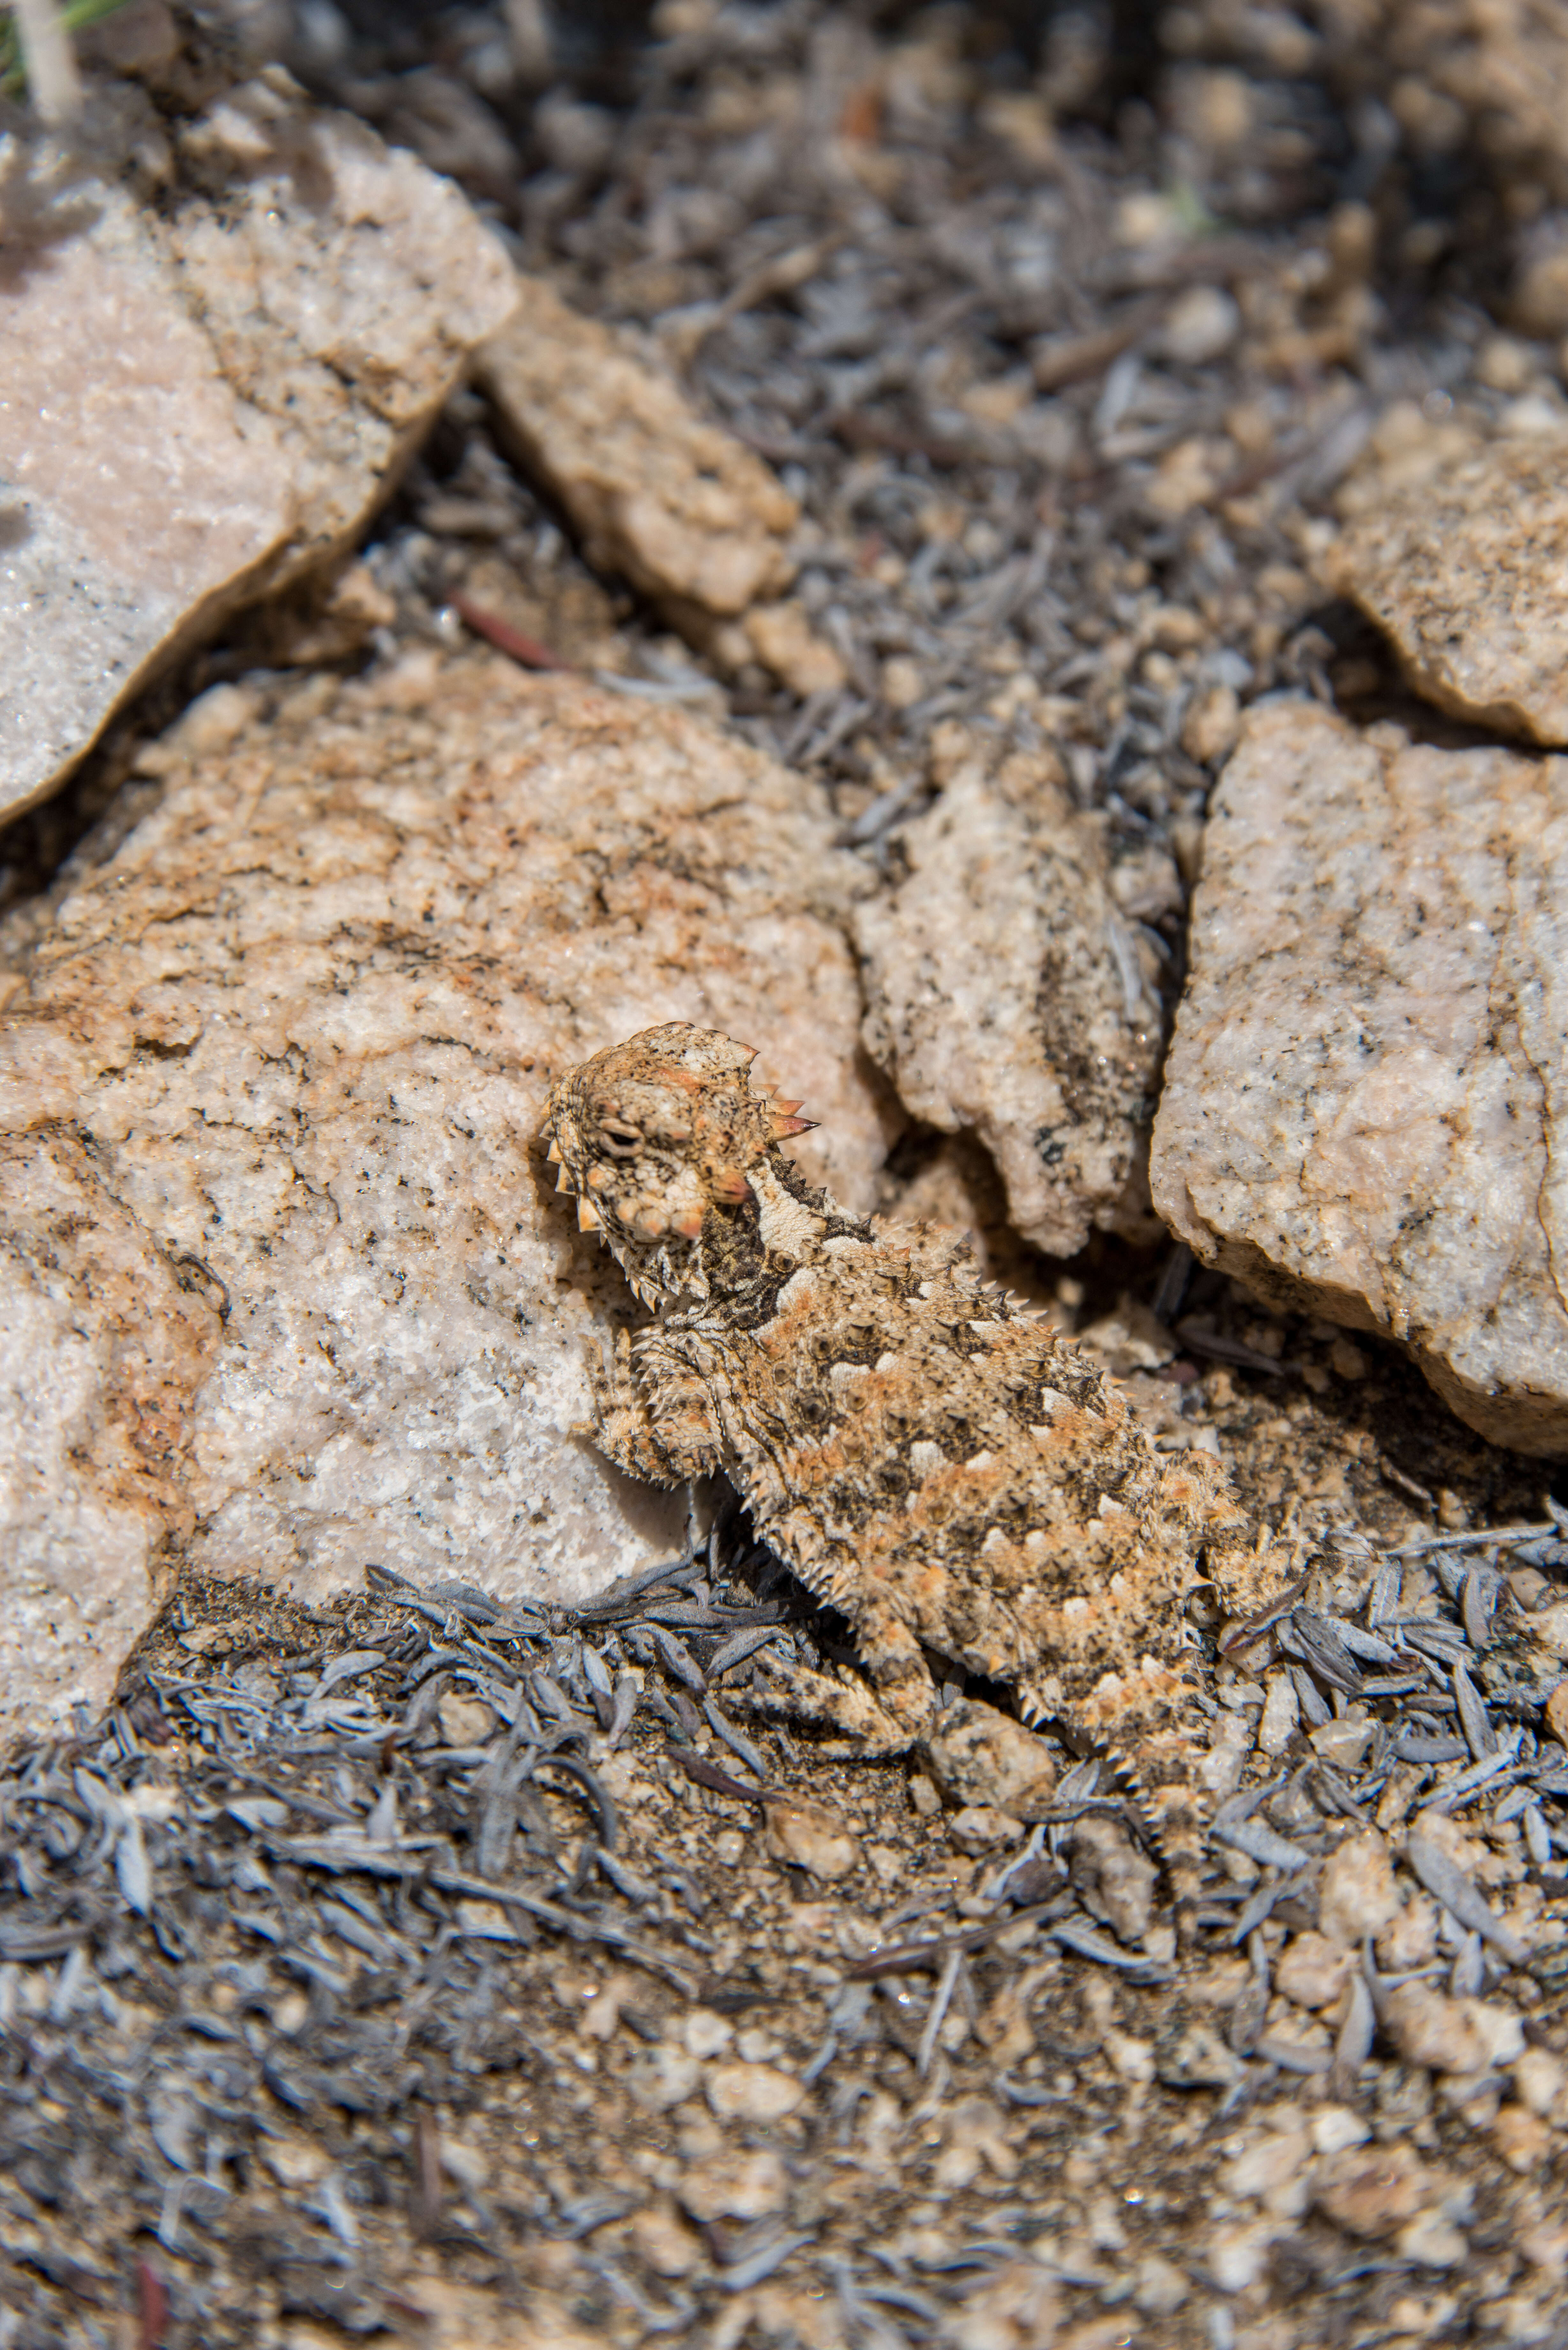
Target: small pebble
1341,1743
662,2077
1371,2191
1272,2170
1195,2058
1312,1972
752,2093
1452,2035
464,1721
1159,2288
663,2240
1230,1742
1211,725
1199,325
1411,1940
1540,2080
1432,2241
207,1641
1520,2137
981,1827
1556,1711
902,683
1358,1893
735,2187
1282,1714
1334,2127
1238,2255
706,2033
1115,1879
806,1834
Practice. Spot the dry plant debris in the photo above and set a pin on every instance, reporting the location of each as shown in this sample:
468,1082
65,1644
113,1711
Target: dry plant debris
423,1946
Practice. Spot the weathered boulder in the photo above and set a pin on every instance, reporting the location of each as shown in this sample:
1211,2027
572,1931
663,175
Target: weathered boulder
1458,548
1007,995
1363,1106
284,1287
202,397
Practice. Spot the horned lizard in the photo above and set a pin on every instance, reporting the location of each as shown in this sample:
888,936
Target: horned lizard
938,1465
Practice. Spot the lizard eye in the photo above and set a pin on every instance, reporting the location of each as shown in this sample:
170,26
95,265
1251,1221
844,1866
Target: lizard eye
620,1138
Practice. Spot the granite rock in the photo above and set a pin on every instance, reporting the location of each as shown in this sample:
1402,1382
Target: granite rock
1363,1112
1458,548
1008,996
678,507
283,1286
202,397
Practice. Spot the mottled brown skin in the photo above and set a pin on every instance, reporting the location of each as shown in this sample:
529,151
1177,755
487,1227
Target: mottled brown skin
937,1465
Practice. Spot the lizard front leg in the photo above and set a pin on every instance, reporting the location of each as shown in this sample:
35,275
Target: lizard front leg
660,1429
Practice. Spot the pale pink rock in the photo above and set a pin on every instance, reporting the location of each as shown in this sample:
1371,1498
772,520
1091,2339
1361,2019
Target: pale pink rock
284,1286
1364,1102
1452,2035
1359,1894
1008,997
670,502
1371,2191
1540,2080
981,1827
812,1836
1466,568
1312,1972
1522,2138
731,2186
203,398
979,1757
752,2093
1115,1881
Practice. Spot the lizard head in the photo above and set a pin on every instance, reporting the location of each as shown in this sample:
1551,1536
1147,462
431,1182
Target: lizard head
654,1139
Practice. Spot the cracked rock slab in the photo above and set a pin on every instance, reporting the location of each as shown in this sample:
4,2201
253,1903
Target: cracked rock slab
284,1284
1364,1102
1458,548
203,398
1009,997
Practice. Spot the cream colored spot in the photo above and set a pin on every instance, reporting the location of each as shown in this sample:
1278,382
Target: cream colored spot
1113,1509
926,1459
888,1362
981,1461
1051,1400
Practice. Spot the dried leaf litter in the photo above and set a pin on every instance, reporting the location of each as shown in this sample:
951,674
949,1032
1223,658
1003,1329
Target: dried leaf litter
427,1935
